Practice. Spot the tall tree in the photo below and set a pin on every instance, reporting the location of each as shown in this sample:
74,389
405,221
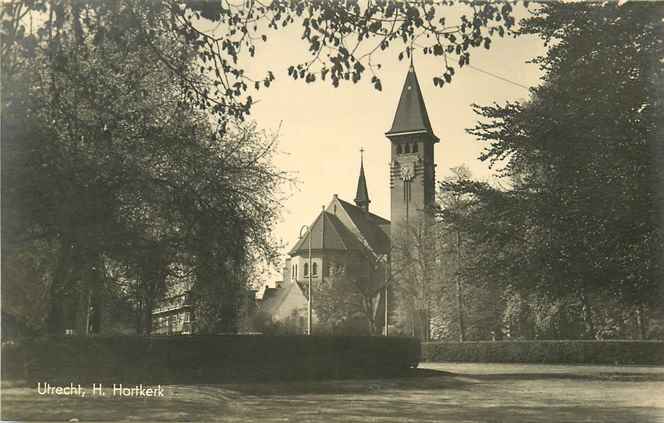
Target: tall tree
583,215
107,156
416,273
472,257
348,300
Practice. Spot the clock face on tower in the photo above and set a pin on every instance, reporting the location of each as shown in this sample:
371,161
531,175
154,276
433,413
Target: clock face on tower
407,171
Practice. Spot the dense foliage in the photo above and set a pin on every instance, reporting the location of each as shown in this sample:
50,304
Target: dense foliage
343,37
349,301
575,243
115,183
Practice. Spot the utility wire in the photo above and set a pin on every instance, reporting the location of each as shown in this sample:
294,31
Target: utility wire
412,42
499,77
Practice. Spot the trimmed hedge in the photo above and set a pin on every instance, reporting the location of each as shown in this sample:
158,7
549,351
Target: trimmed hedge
206,359
573,352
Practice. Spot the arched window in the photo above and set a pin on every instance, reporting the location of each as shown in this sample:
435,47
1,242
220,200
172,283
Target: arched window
415,148
314,269
292,273
407,150
306,269
399,149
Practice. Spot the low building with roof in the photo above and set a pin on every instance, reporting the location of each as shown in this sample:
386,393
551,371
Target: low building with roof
284,306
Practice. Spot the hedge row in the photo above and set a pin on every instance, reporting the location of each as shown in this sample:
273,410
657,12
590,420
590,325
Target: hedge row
205,359
573,352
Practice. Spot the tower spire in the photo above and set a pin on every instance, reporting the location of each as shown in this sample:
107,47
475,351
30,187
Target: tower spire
411,115
362,196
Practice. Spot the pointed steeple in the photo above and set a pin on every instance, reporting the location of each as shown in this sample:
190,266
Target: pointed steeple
411,115
362,196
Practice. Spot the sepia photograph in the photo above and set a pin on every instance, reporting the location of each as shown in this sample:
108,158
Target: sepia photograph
332,211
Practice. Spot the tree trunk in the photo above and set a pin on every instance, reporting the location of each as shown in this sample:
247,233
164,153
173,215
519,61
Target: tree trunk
587,314
372,324
641,322
88,313
462,329
424,324
413,322
94,310
459,296
372,327
96,315
55,319
147,316
55,312
153,280
139,318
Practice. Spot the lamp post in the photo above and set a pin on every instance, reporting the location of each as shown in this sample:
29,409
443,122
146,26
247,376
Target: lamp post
387,323
305,227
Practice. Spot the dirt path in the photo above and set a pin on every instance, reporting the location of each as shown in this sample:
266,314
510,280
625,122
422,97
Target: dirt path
437,392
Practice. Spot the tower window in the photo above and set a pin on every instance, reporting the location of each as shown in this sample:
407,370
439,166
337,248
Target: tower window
415,148
399,149
314,269
306,269
407,150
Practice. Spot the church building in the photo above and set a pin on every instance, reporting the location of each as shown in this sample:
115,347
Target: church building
347,240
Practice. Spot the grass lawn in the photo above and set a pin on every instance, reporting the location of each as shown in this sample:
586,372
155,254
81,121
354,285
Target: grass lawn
436,392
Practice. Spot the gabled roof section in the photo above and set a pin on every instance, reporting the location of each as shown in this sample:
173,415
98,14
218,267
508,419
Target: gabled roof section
268,293
411,115
275,297
369,227
337,237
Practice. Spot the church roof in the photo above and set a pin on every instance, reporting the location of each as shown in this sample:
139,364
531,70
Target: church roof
274,297
348,229
362,195
370,227
411,115
269,293
337,236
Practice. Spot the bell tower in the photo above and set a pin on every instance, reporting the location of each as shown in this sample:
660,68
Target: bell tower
412,168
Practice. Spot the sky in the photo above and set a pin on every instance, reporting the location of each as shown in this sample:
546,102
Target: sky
322,128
